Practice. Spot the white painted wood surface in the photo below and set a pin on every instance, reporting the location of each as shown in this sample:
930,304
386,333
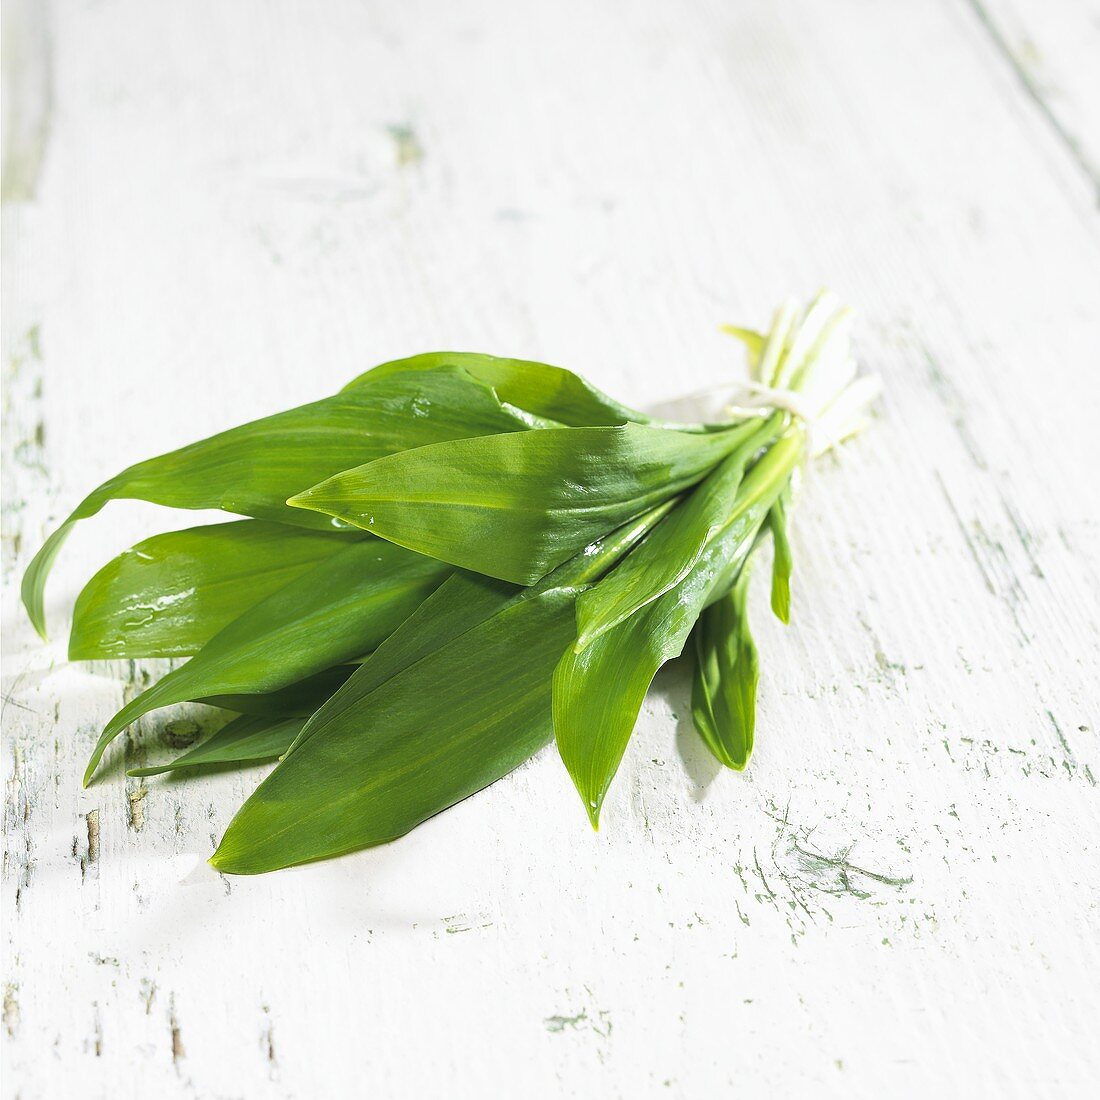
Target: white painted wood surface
216,210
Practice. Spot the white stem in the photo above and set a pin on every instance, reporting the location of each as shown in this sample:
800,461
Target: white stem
804,366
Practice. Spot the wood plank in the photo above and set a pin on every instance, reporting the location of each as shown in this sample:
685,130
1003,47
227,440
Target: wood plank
241,206
1052,48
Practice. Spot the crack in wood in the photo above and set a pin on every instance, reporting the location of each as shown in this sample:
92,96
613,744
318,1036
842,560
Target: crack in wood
1027,82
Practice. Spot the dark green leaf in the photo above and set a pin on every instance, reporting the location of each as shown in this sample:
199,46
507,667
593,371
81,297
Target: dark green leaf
781,559
298,700
517,506
338,611
169,595
430,736
254,468
249,739
723,696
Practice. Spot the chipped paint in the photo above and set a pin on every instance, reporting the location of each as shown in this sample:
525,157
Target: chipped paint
175,1034
11,1008
135,801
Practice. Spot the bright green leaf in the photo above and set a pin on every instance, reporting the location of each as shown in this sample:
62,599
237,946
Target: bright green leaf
169,595
675,546
517,506
781,559
254,468
338,611
454,699
536,387
425,739
599,690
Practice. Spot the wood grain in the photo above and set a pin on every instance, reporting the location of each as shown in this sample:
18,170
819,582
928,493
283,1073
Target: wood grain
226,209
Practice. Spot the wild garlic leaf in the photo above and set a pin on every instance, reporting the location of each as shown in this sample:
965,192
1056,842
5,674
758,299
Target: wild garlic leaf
442,729
466,600
454,699
536,387
252,469
459,604
249,739
670,551
723,696
598,693
517,506
754,345
782,561
297,700
599,689
169,595
336,612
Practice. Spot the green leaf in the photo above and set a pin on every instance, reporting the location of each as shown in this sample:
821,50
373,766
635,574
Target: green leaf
338,611
517,506
254,468
676,545
781,559
424,739
457,697
754,344
249,739
297,700
169,595
462,602
723,696
540,389
599,690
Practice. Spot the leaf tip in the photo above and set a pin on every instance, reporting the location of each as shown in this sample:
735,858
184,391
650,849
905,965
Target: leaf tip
230,863
300,500
221,860
32,601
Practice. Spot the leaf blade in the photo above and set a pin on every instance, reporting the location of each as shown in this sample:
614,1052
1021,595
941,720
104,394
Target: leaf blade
515,507
473,630
725,679
411,757
609,676
248,739
332,614
170,594
782,560
676,545
252,469
297,700
537,387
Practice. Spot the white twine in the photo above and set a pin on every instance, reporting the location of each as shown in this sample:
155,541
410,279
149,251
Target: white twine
762,398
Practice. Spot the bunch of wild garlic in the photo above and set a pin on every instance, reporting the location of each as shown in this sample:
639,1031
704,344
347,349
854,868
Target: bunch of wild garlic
448,563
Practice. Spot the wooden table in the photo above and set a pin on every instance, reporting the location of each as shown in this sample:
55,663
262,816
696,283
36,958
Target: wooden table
215,210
